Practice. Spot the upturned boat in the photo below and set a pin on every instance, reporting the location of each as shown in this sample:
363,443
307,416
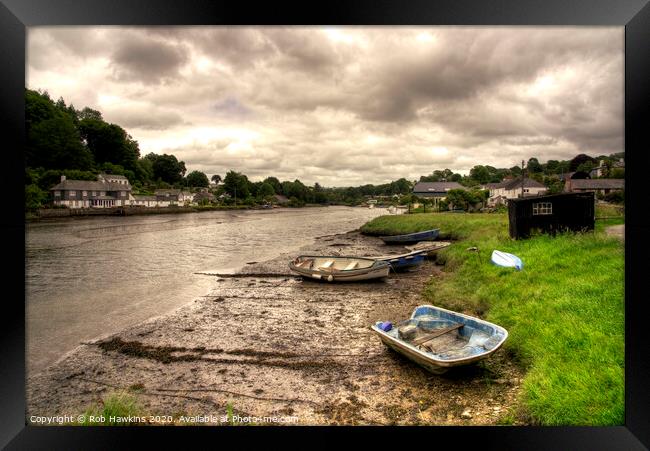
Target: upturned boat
339,269
440,339
506,260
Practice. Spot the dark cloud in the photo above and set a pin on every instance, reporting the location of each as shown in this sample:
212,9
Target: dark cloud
344,105
147,61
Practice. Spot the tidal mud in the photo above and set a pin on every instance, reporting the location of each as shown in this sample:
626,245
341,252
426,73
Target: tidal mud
269,343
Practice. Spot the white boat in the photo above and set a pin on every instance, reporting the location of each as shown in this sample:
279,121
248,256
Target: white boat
339,269
506,260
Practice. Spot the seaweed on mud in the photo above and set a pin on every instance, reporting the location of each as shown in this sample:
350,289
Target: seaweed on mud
169,354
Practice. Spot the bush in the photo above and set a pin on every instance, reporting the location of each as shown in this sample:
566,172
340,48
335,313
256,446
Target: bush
615,197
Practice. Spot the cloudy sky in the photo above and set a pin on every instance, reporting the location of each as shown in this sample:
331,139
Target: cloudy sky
343,105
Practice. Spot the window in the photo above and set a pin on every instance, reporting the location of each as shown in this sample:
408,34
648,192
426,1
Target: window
85,193
94,193
103,193
57,193
542,208
73,194
123,193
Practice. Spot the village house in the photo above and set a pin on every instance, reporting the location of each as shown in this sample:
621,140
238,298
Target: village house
600,171
203,195
437,191
602,186
500,193
167,197
108,191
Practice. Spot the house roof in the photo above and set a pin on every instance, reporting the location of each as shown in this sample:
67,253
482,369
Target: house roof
142,197
436,187
516,183
113,176
167,192
90,185
598,184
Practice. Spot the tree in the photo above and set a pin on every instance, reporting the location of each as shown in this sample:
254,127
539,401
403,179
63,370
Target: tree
197,178
480,174
53,140
216,178
275,183
534,166
109,143
580,159
265,190
166,168
236,185
89,113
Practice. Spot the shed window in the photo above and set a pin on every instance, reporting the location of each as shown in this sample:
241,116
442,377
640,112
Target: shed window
542,208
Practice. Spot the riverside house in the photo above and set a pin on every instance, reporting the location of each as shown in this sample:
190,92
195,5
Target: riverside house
435,190
108,191
500,193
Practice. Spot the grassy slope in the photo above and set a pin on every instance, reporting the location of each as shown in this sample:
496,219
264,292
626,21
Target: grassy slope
564,311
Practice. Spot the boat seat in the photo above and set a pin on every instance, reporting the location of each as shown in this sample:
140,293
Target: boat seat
327,264
352,265
305,263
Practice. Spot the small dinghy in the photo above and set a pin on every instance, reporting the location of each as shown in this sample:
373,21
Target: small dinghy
430,248
439,339
426,235
506,260
403,261
339,269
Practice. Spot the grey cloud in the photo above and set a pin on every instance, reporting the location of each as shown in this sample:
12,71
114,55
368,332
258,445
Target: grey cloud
146,60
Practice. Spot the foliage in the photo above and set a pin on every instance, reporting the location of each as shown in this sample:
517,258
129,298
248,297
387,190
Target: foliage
197,178
34,197
236,185
579,160
615,197
118,404
166,167
216,178
564,311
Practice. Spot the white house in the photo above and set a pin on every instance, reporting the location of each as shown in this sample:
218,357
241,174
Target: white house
512,189
108,191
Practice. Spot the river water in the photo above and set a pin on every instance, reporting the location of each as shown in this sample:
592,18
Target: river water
91,277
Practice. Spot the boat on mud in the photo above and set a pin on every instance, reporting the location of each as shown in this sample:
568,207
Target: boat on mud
428,247
339,269
506,260
403,261
426,235
439,339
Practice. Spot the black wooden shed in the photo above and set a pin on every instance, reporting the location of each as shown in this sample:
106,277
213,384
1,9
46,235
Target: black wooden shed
551,214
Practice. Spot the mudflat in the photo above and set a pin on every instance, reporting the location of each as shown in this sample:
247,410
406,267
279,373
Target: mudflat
269,343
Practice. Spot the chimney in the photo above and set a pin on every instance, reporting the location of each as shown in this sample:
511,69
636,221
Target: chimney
63,178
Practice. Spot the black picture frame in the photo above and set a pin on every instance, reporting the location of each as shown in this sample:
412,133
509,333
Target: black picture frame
634,15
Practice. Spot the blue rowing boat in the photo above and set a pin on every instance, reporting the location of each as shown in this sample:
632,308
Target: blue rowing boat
404,261
439,339
427,235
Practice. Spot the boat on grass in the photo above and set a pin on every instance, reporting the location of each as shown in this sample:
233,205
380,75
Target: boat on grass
428,247
426,235
339,269
506,260
439,339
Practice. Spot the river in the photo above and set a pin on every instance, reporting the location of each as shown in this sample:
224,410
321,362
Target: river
91,277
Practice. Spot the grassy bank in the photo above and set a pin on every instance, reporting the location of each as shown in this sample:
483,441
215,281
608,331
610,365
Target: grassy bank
564,311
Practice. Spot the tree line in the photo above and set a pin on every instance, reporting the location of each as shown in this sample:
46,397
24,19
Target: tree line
79,143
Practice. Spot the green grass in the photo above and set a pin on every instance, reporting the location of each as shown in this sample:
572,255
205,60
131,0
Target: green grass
119,404
564,312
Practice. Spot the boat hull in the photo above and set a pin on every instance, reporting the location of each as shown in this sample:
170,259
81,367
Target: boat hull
440,363
427,235
374,270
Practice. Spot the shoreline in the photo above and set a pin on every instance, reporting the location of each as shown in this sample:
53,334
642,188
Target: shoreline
66,213
255,341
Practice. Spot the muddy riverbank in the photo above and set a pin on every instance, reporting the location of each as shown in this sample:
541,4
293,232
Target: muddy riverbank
276,345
